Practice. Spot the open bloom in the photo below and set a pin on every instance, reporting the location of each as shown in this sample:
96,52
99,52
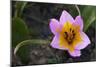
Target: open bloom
68,34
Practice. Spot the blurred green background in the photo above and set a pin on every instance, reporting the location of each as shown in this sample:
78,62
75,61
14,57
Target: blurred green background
30,21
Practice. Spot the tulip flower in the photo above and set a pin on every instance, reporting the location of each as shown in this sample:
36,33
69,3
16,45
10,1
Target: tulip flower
68,34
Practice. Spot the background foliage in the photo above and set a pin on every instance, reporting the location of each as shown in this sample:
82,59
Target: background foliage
30,21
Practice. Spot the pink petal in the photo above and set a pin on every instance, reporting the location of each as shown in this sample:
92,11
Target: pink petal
55,43
85,42
79,21
75,53
54,25
66,17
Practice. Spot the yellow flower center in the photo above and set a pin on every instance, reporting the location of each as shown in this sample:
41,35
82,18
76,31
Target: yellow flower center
69,36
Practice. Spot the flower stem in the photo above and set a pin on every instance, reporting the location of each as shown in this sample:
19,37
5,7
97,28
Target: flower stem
78,10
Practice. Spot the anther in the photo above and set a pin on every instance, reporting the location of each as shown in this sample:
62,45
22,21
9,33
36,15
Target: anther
73,34
66,34
70,29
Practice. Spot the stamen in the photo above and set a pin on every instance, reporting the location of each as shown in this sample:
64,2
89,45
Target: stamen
73,34
66,34
69,36
70,29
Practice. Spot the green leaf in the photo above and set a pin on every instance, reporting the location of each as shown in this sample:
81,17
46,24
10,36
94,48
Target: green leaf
19,7
33,41
23,51
89,16
19,31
